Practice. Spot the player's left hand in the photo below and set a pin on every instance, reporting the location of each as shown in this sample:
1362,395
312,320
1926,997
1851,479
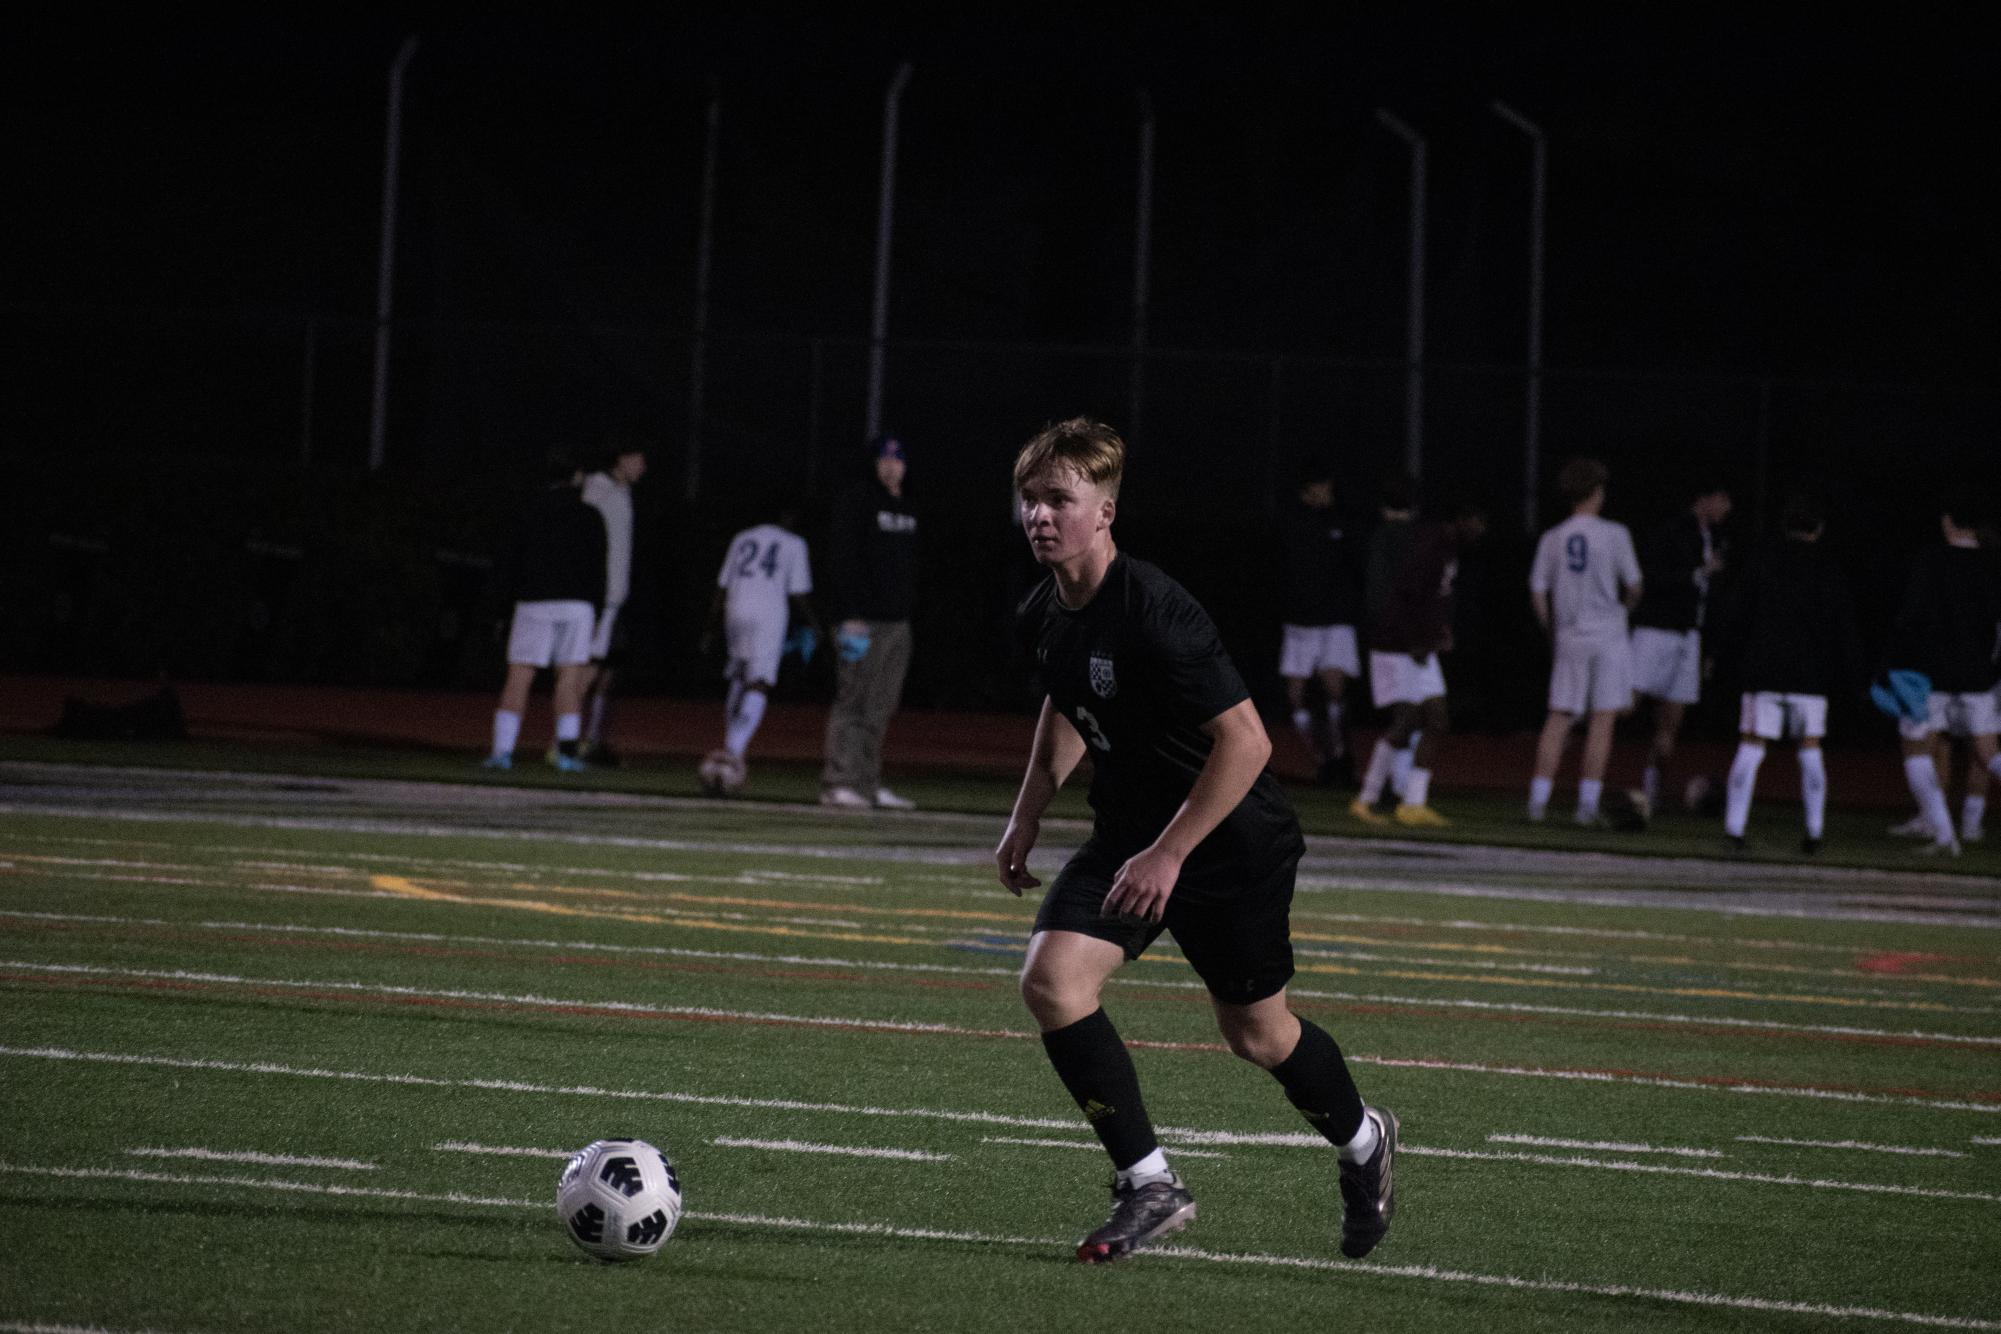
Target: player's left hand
1142,886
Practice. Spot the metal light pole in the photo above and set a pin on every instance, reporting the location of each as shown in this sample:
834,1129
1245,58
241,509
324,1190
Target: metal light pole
385,282
1414,320
1142,263
698,355
892,106
1538,196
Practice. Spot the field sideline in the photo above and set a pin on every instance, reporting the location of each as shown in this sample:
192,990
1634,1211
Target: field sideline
306,1051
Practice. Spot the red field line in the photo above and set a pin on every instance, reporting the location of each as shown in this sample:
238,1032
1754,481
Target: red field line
888,1028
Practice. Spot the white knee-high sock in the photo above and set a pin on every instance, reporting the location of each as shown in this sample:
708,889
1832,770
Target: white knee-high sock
506,731
1743,778
1401,762
1922,775
743,723
1377,774
1813,789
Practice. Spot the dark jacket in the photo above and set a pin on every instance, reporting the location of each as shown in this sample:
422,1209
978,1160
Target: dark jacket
1417,613
1318,551
872,555
1799,624
558,551
1674,592
1950,619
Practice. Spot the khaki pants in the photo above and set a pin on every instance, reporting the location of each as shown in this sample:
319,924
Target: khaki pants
866,695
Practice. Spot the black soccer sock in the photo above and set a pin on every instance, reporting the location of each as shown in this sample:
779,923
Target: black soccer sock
1317,1082
1098,1070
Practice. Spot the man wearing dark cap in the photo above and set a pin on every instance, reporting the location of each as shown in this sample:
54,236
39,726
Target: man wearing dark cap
872,568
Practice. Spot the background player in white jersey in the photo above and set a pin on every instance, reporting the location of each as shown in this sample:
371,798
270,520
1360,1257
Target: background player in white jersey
609,491
765,576
1584,580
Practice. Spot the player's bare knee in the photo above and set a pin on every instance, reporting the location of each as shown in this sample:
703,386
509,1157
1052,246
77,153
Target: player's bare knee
1055,1001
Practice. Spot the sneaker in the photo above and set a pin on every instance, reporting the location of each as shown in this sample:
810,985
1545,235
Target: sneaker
566,764
844,798
1915,827
500,762
1420,817
1142,1214
1368,1190
1364,812
889,801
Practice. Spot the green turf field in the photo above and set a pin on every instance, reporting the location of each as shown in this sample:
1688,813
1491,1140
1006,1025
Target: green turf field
307,1053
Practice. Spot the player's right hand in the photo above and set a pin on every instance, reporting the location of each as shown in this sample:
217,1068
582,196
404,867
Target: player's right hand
1011,857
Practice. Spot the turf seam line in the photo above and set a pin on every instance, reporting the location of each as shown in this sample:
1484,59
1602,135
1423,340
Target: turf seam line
1855,1145
833,1150
256,1159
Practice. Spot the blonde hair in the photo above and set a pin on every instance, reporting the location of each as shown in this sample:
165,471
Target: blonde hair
1090,448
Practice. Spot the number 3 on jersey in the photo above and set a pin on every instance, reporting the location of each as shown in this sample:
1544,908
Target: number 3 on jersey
1092,732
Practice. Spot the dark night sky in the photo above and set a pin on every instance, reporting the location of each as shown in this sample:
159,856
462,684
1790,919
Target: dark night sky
1791,195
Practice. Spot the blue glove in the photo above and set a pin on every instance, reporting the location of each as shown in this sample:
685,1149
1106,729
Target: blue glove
1903,694
853,647
802,642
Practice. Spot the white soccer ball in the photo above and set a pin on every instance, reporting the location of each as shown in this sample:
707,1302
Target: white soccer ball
619,1199
721,773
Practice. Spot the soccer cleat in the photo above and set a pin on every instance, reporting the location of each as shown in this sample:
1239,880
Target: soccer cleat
1368,1190
1810,846
567,764
1949,848
1141,1215
844,798
1738,846
500,762
1420,817
1915,827
889,801
1364,812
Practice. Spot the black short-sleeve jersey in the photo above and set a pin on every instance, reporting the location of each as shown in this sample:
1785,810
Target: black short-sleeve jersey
1138,671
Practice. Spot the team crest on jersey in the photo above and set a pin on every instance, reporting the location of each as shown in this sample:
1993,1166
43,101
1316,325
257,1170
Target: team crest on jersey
1104,684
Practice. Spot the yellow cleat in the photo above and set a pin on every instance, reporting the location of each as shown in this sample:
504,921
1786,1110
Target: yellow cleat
1364,812
1420,817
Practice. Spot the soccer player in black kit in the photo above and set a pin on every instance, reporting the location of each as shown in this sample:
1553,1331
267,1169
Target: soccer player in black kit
1191,835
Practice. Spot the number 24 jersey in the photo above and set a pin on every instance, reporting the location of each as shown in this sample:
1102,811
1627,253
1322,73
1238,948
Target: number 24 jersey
1137,671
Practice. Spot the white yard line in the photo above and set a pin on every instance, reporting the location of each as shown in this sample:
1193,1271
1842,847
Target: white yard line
1603,1146
1090,1144
1707,1173
255,1159
1854,1145
500,1150
1426,1274
837,1150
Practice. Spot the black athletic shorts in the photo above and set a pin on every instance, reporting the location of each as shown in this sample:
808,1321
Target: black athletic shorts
1236,935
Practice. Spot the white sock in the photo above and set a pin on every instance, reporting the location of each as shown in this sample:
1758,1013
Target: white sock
743,723
569,726
1337,741
1922,775
1361,1148
1400,765
1539,793
1971,813
506,731
1153,1165
1416,786
1813,789
1589,790
1378,773
1650,783
1743,778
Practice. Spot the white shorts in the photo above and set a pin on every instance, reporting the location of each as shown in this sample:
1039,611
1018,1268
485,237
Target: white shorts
1590,676
1308,650
1974,713
1395,679
601,637
755,645
1773,716
550,634
1667,664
